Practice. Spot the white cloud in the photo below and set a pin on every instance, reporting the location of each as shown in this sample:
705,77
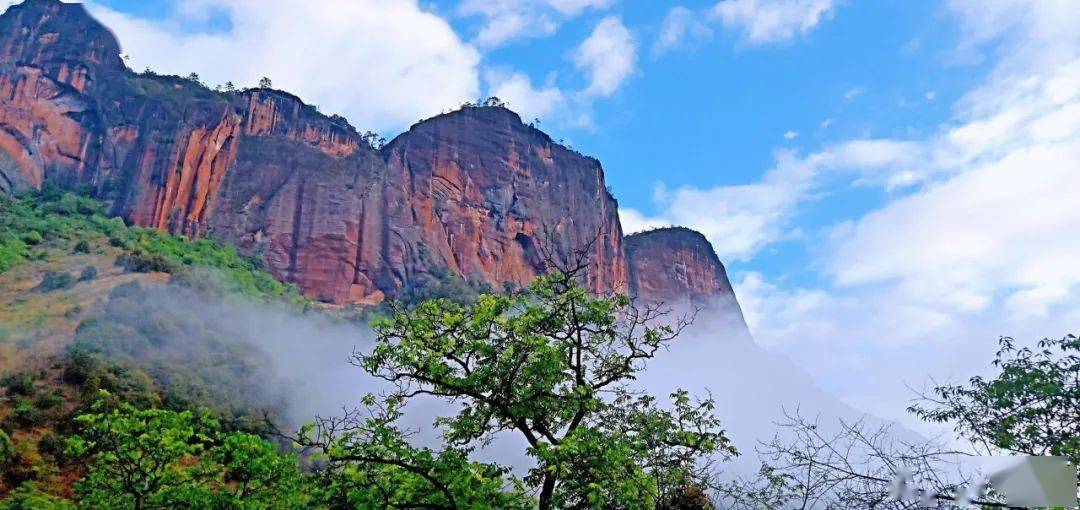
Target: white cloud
979,240
739,220
633,221
575,7
1034,33
982,243
516,89
790,135
870,345
852,93
978,233
608,55
681,27
771,21
372,60
506,20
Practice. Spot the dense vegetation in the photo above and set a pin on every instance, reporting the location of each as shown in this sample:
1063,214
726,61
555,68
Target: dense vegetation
32,224
150,407
126,344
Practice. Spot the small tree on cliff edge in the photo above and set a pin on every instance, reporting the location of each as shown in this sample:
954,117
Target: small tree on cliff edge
265,83
550,365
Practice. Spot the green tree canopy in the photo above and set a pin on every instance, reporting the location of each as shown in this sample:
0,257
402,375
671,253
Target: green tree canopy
552,365
152,458
1031,407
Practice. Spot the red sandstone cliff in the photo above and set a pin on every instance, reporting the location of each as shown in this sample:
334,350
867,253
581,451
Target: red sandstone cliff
472,193
484,192
676,264
475,193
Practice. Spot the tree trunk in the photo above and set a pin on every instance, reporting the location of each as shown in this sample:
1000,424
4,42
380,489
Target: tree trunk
546,491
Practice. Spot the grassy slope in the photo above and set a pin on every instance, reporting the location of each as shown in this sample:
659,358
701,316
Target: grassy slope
50,299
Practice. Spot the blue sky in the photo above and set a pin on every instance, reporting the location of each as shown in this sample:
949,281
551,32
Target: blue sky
712,110
887,181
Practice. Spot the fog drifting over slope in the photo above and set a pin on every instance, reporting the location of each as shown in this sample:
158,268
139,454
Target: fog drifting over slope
309,370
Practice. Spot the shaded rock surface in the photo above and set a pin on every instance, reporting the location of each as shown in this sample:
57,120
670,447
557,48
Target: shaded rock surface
678,264
474,193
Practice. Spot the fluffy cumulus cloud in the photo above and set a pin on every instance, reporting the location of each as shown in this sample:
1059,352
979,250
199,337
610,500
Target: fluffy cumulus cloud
506,20
608,56
371,60
742,219
681,27
633,221
770,21
517,90
1002,219
758,21
981,244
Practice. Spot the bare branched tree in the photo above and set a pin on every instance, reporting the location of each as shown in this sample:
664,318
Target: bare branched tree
854,465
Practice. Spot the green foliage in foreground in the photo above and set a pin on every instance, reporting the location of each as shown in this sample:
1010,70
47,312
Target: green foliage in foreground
29,496
1032,407
34,223
371,464
551,365
165,459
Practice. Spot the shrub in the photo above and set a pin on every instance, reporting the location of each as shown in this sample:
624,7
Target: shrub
33,238
52,445
7,448
143,262
88,273
19,385
29,497
82,247
24,414
55,280
12,252
48,400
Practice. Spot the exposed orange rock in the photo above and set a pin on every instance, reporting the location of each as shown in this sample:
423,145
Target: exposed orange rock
201,164
277,113
676,264
483,193
39,128
474,193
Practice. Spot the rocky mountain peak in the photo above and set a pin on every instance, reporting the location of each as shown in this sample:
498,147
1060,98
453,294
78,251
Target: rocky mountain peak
51,34
475,193
674,264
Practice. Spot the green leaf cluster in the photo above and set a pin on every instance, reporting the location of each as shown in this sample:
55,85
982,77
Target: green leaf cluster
552,365
153,458
1031,407
34,223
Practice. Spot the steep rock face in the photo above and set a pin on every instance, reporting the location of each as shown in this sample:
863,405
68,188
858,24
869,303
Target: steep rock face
676,263
486,196
46,124
474,193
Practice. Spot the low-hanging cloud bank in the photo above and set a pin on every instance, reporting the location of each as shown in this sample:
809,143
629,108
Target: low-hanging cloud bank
305,366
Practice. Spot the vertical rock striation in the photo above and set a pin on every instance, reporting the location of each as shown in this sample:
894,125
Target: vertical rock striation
475,193
484,194
678,264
